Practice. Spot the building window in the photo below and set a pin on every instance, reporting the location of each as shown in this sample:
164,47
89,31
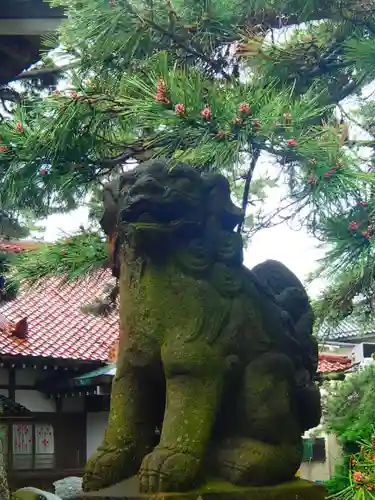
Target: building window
28,446
314,450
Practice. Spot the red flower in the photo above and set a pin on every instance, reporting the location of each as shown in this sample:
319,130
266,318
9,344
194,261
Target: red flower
357,476
244,108
19,127
353,226
311,180
363,204
206,113
161,89
237,121
43,171
221,134
292,142
328,174
3,149
74,95
179,109
366,235
161,86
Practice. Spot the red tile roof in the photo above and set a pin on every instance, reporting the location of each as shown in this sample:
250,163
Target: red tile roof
329,363
57,328
18,246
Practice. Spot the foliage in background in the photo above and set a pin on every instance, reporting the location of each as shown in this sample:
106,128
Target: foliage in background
348,412
8,287
70,258
360,474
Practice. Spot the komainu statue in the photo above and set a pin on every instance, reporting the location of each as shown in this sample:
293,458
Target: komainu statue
219,358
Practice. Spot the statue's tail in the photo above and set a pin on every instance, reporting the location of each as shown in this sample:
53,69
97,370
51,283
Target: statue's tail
292,298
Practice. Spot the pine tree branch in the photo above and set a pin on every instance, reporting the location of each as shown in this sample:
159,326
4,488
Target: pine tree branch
139,151
246,192
269,220
267,19
353,120
37,73
178,41
181,43
346,90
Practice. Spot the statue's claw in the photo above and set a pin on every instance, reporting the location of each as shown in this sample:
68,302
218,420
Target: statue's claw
166,470
108,466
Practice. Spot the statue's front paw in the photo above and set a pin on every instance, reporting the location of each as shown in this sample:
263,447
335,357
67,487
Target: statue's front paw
108,466
166,470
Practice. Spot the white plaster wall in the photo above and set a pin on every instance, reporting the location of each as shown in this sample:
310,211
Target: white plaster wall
34,400
96,425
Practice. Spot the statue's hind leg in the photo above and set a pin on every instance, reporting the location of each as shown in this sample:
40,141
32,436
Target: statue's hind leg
263,443
130,433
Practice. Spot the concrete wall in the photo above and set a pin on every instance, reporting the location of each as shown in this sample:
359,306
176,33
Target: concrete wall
321,471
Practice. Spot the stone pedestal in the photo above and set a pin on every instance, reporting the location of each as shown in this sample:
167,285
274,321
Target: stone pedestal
297,489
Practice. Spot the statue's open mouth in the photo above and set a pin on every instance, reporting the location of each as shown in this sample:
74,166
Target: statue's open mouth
170,208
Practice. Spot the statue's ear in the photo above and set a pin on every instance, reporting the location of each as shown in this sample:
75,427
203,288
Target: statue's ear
108,221
219,201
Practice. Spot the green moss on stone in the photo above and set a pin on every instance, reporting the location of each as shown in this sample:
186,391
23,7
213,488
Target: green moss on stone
297,489
187,306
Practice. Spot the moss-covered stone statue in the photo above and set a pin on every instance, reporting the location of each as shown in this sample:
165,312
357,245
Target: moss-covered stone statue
219,358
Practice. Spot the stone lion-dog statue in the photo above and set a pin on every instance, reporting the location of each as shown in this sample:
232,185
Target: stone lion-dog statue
219,358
